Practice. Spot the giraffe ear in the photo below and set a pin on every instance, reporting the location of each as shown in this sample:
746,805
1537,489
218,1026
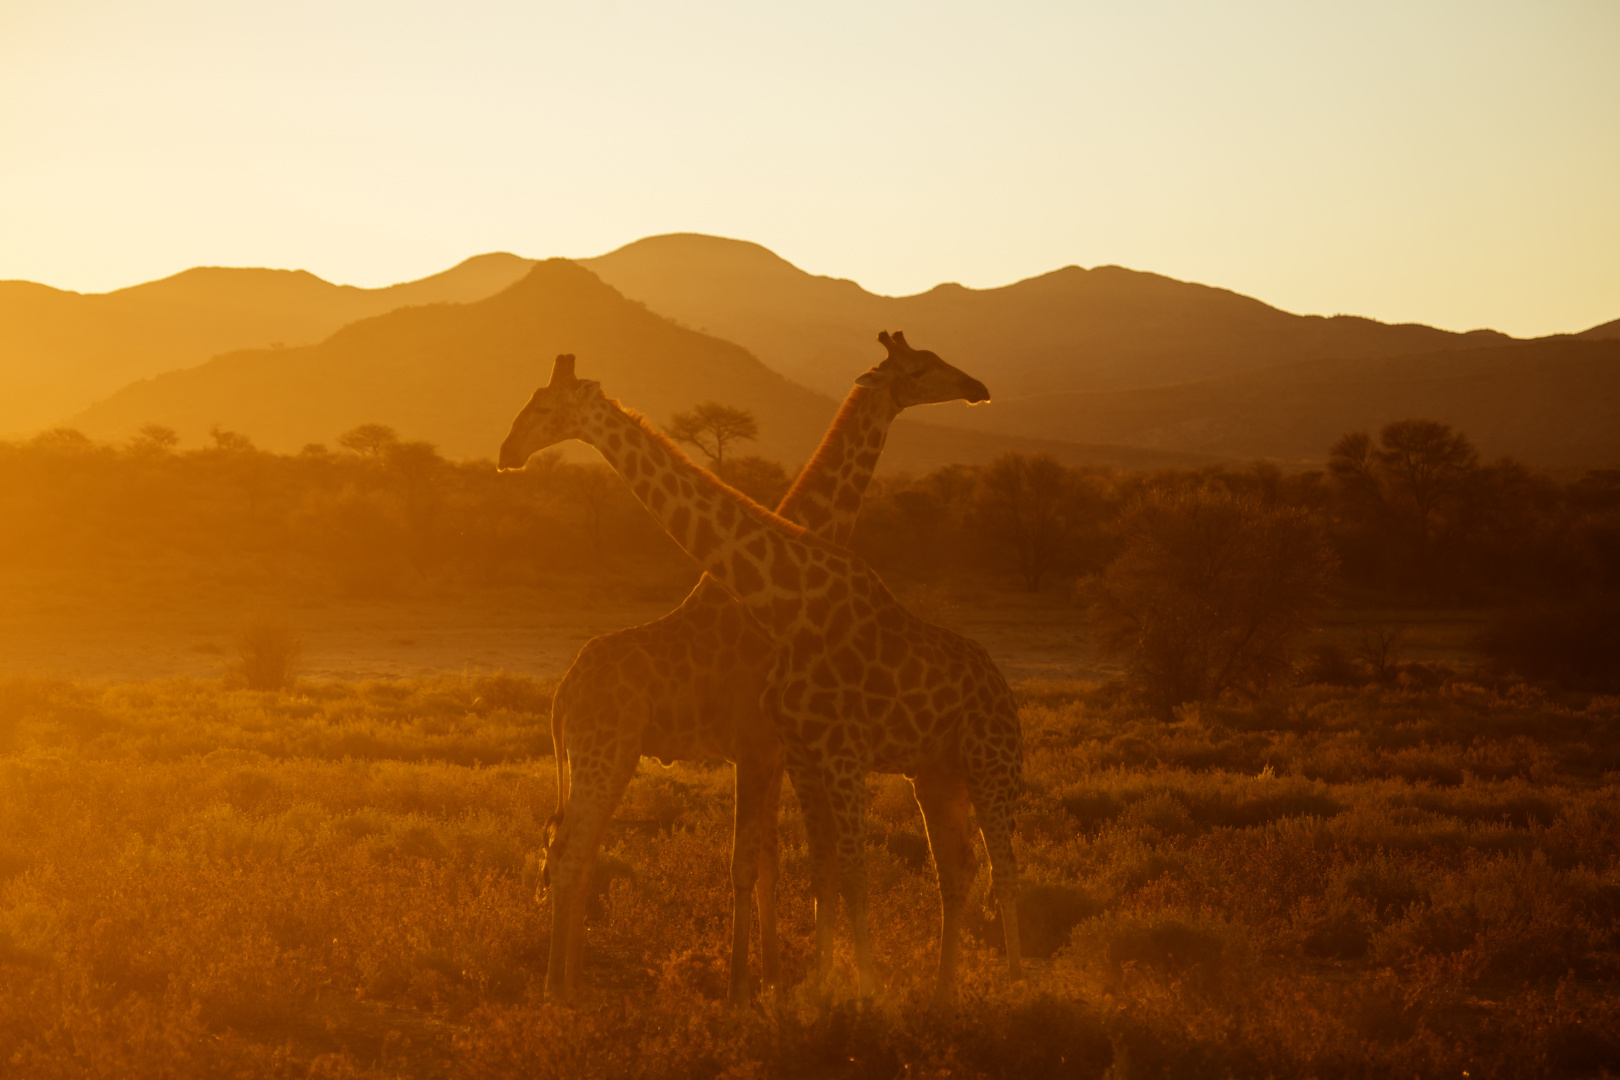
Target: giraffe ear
874,377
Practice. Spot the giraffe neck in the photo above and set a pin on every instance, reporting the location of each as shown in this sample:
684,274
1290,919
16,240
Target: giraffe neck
757,557
826,498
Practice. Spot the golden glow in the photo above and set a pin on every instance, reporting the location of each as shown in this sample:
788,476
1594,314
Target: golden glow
1451,163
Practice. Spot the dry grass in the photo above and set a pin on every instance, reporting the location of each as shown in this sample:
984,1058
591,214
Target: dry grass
338,880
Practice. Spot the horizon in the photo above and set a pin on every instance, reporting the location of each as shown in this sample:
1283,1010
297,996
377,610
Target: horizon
1444,165
743,240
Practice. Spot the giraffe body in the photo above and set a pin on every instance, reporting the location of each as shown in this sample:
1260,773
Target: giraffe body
855,679
690,685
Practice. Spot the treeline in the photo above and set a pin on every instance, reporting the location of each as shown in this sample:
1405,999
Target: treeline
376,516
1173,563
1413,517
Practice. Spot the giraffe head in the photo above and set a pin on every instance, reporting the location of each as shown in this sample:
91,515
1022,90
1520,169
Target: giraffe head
553,415
919,377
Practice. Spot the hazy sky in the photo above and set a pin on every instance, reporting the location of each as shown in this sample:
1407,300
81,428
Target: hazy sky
1449,163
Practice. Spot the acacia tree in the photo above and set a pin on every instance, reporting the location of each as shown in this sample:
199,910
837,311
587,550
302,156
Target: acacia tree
1029,503
153,440
1420,486
369,440
711,427
1211,593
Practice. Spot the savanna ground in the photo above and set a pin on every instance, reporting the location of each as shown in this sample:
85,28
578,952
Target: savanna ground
1382,862
1413,877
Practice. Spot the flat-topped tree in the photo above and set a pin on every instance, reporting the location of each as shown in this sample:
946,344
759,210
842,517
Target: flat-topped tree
688,686
856,684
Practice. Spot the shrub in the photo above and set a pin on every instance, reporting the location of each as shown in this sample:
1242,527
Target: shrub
1212,593
1575,644
268,653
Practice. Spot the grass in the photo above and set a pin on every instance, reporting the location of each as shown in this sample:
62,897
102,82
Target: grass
338,879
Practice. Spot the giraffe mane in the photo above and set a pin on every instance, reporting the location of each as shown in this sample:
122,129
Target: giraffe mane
844,420
765,515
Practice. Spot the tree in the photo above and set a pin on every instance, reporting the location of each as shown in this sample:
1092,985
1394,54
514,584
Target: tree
711,427
62,438
1212,593
1420,487
369,440
153,440
1028,503
761,479
230,442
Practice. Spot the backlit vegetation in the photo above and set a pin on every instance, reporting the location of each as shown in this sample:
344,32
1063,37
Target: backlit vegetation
1308,859
1411,879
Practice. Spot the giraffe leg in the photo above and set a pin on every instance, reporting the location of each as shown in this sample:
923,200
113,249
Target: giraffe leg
594,795
752,795
993,798
810,788
847,798
770,861
942,795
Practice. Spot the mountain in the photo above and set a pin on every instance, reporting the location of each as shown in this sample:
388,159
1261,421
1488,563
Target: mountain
60,351
457,374
1551,402
1608,331
1071,330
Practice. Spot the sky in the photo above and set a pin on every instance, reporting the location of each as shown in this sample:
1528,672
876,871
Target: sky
1456,164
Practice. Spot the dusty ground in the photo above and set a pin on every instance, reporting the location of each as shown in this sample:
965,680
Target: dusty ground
111,630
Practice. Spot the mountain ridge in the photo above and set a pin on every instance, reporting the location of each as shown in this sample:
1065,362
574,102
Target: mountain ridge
62,350
1068,329
455,375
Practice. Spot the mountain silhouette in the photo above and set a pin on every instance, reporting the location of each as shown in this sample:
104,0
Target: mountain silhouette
1070,330
61,351
1605,332
456,374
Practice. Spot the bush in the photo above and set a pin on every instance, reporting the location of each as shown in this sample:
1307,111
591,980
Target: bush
268,653
1577,645
1212,593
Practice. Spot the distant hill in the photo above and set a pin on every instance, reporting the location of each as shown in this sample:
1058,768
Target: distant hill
1608,331
60,351
1070,330
456,375
1553,402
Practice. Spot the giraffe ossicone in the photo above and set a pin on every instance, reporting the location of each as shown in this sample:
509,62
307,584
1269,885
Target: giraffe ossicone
855,682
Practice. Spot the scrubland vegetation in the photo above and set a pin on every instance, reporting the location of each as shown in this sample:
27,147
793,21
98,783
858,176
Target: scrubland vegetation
1306,858
1413,878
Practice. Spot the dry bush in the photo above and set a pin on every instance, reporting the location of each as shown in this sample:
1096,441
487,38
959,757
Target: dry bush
267,652
1212,593
1576,644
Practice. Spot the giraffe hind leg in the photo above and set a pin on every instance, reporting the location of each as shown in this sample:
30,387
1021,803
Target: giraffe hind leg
942,795
994,781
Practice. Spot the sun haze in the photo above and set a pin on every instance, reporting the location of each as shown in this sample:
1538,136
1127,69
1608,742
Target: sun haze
1448,163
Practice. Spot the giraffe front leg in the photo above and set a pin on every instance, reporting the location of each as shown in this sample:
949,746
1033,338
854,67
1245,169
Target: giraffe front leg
770,863
847,796
810,788
595,793
751,797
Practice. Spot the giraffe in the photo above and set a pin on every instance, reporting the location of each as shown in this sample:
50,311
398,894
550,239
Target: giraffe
856,682
688,685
